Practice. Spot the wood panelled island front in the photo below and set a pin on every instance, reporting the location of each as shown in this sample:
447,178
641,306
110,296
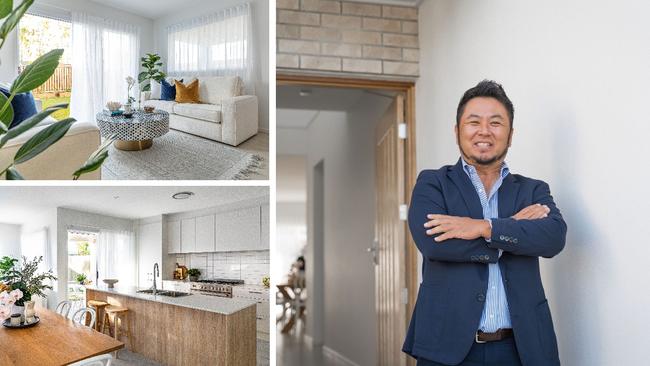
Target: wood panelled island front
190,330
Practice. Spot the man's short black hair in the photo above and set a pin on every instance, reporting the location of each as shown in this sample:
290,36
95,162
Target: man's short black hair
490,89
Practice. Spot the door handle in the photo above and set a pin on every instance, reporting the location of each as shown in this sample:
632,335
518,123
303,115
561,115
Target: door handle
373,250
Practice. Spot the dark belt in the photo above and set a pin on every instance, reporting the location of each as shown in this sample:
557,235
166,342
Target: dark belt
500,334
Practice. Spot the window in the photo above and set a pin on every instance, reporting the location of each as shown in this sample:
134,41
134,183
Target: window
219,44
37,36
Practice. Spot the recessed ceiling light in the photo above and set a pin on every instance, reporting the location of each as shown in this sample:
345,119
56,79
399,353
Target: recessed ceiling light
304,92
182,195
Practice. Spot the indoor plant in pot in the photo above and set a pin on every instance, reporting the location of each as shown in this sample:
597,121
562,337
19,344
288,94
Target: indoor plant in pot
24,277
194,274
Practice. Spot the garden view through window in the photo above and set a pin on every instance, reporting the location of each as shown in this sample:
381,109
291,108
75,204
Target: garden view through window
37,36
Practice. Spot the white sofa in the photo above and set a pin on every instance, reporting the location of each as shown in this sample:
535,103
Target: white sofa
60,160
223,115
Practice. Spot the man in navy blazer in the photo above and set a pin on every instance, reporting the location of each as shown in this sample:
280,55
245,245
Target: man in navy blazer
481,231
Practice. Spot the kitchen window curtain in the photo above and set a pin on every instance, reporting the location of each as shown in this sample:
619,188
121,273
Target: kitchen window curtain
116,257
220,44
105,52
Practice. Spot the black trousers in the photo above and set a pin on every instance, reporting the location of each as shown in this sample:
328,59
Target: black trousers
499,353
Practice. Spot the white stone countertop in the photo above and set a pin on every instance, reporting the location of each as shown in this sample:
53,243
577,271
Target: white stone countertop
215,304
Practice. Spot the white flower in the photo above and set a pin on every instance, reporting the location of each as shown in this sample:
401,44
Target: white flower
130,81
5,312
4,298
16,295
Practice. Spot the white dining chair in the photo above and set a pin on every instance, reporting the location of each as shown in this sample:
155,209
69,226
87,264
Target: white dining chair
63,308
101,360
79,317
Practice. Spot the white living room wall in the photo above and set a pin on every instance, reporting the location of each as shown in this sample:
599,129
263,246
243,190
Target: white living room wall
260,22
9,52
578,75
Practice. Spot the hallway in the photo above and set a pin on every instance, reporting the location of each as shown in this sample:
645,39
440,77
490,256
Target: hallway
294,350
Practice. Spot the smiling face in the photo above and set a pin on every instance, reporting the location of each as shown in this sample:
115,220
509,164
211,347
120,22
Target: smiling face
484,132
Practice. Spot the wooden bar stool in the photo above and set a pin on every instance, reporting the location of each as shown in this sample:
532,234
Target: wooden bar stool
118,316
99,310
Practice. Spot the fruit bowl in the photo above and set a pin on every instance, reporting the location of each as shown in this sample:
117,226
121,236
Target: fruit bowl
110,282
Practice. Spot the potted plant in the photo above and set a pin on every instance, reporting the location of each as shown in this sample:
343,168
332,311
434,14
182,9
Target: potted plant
33,76
150,63
24,278
81,278
194,274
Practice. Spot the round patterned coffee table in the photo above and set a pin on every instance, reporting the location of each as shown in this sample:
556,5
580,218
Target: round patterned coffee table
136,133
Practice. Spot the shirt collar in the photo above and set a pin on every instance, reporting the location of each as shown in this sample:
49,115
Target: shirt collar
471,170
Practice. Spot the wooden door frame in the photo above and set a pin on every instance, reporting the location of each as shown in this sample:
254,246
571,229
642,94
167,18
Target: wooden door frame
410,168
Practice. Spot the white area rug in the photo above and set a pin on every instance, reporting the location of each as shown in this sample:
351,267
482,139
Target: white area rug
181,156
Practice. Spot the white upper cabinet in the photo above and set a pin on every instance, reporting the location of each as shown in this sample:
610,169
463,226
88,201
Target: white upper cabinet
264,244
188,235
205,234
238,230
174,236
149,251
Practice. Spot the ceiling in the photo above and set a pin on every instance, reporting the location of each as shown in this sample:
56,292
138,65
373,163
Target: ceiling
18,204
152,9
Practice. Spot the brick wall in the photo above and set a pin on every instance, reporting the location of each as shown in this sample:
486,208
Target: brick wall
347,37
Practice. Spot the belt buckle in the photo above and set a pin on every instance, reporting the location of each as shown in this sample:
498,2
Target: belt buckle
477,340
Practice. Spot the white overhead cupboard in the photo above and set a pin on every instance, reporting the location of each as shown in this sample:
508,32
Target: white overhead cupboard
236,229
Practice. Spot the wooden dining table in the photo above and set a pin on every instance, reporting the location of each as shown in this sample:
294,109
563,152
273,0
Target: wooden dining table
54,341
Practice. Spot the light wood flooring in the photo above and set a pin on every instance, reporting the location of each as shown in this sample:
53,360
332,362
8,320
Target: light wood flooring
259,144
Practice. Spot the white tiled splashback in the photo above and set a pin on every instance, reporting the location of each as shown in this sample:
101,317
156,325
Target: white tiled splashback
249,266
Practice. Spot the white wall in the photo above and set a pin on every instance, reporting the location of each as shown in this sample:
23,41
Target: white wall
10,240
66,219
578,75
260,9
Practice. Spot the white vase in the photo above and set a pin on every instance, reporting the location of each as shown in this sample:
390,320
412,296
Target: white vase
29,310
19,310
128,108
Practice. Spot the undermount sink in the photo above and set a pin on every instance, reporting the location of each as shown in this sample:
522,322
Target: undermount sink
165,293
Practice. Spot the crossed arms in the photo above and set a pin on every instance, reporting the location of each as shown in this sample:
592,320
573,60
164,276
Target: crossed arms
536,230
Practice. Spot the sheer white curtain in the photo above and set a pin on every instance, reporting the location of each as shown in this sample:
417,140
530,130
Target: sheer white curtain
105,52
116,257
220,44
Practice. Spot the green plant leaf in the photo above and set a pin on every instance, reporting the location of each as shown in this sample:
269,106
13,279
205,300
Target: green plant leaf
13,19
37,72
42,140
30,122
13,174
143,76
5,7
96,159
8,115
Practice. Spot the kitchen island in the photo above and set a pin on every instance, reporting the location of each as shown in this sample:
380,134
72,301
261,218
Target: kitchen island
190,330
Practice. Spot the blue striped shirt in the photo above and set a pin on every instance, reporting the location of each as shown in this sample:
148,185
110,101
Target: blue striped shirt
495,313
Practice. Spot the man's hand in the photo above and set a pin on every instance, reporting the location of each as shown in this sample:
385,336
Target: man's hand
457,227
532,212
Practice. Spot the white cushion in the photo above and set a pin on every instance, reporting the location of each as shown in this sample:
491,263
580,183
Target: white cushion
156,89
216,88
165,105
206,112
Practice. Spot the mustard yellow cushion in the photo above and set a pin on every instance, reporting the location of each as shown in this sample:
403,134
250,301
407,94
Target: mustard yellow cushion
187,93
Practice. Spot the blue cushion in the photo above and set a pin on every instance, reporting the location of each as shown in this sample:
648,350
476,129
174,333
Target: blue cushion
23,105
167,91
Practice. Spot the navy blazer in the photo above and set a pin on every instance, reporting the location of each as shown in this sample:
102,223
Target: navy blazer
455,272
